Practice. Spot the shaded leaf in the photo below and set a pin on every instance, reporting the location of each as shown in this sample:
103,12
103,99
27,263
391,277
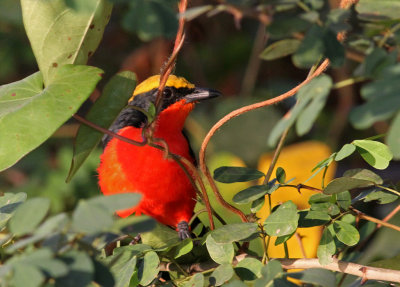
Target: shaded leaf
280,175
90,218
249,269
221,274
29,215
112,203
257,204
160,237
311,48
381,10
328,207
220,252
26,275
8,204
270,271
42,110
122,267
81,269
133,225
393,137
282,221
320,277
148,268
319,197
115,95
250,194
343,199
231,174
60,35
280,49
364,174
381,196
345,183
184,247
375,153
197,280
313,218
234,232
391,263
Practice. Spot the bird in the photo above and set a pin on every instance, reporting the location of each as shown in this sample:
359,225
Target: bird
167,193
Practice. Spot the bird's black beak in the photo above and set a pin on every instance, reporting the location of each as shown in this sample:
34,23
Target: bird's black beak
200,94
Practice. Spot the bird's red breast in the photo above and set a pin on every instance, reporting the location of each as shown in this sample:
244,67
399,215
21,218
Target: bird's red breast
168,195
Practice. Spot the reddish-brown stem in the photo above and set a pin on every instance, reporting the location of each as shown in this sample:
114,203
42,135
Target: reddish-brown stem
362,215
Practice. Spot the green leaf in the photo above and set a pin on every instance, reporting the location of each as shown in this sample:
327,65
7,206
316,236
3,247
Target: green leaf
197,280
9,202
311,48
115,95
221,274
326,247
381,10
269,272
393,137
112,203
375,62
328,207
382,99
345,183
257,204
220,252
133,225
160,237
345,151
280,175
28,215
391,263
249,269
122,267
151,19
231,174
102,275
234,232
374,153
90,218
319,197
81,269
27,276
313,218
381,196
319,277
283,220
343,199
364,174
250,194
184,247
148,268
318,94
41,110
282,239
61,35
334,50
280,49
346,233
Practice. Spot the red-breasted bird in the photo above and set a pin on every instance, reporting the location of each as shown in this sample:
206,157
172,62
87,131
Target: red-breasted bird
168,195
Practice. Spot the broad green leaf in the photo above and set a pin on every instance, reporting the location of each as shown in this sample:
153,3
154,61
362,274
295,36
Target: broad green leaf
337,20
313,218
282,239
280,49
343,199
90,218
311,48
319,93
391,263
221,274
197,280
283,220
133,225
250,194
334,50
326,247
269,272
81,269
231,174
27,276
102,274
151,19
375,62
123,267
393,137
29,215
378,10
62,35
114,98
328,207
280,175
382,197
382,99
112,203
345,183
364,174
148,268
184,247
346,233
319,277
375,153
220,252
235,283
345,151
285,25
160,237
257,204
249,269
40,110
234,232
8,204
319,197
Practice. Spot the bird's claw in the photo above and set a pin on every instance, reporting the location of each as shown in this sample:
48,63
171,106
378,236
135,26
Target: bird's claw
183,230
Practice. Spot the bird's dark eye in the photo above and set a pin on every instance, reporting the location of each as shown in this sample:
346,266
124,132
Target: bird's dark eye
168,93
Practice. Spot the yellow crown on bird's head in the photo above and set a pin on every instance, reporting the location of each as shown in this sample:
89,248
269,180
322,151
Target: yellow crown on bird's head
154,81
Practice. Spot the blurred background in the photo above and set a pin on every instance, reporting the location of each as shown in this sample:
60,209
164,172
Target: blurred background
221,51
